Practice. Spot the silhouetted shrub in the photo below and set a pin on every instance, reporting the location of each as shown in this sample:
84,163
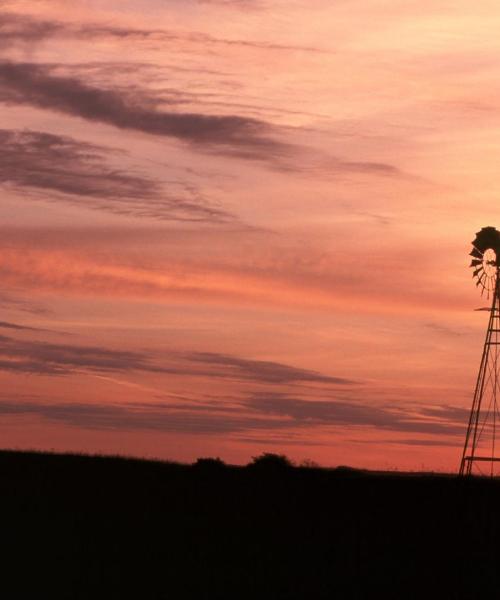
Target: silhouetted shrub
307,463
271,461
209,463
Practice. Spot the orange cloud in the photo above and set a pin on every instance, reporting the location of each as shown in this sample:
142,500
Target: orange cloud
272,280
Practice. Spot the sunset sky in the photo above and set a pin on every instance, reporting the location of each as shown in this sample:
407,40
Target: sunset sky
240,226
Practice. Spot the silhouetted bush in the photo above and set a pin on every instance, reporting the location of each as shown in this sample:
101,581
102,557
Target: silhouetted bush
209,463
269,460
307,463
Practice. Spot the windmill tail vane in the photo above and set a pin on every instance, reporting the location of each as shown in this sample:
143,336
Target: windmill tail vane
480,448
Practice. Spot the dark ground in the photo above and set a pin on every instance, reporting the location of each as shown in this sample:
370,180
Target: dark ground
86,527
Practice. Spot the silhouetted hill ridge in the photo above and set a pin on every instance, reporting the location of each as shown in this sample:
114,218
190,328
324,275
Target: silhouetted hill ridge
80,526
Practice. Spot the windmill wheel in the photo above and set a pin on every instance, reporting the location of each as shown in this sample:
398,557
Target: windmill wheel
485,259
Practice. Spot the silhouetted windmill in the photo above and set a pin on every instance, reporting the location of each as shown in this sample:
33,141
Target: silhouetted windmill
484,420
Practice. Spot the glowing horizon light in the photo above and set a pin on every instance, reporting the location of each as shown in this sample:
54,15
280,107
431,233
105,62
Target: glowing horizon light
229,228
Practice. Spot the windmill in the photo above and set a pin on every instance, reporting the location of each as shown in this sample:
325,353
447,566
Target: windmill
480,446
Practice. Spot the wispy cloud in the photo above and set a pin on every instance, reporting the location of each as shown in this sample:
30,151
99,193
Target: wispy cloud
27,356
453,443
235,4
139,417
444,329
18,28
275,275
36,85
11,300
279,413
358,414
447,412
260,370
15,28
76,171
30,356
17,327
162,113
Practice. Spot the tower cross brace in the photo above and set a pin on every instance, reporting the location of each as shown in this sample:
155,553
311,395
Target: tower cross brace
484,420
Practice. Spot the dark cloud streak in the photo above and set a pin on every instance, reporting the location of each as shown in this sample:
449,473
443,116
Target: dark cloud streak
300,416
17,28
36,85
266,371
62,359
138,417
77,172
15,326
358,414
29,356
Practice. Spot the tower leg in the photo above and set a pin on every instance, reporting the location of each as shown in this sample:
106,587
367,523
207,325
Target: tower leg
487,377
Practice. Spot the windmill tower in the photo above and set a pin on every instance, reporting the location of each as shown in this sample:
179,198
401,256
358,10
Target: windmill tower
481,448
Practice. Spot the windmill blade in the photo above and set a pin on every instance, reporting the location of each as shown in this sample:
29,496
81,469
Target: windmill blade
485,261
476,253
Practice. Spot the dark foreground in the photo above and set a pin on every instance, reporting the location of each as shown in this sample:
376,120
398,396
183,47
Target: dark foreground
83,527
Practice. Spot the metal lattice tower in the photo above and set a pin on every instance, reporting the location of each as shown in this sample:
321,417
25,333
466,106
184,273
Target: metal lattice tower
481,447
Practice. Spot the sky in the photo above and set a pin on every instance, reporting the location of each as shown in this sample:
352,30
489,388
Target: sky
231,227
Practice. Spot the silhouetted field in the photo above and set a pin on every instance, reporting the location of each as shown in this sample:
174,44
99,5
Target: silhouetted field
91,527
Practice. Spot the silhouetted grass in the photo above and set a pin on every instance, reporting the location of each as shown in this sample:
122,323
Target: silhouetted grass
77,526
